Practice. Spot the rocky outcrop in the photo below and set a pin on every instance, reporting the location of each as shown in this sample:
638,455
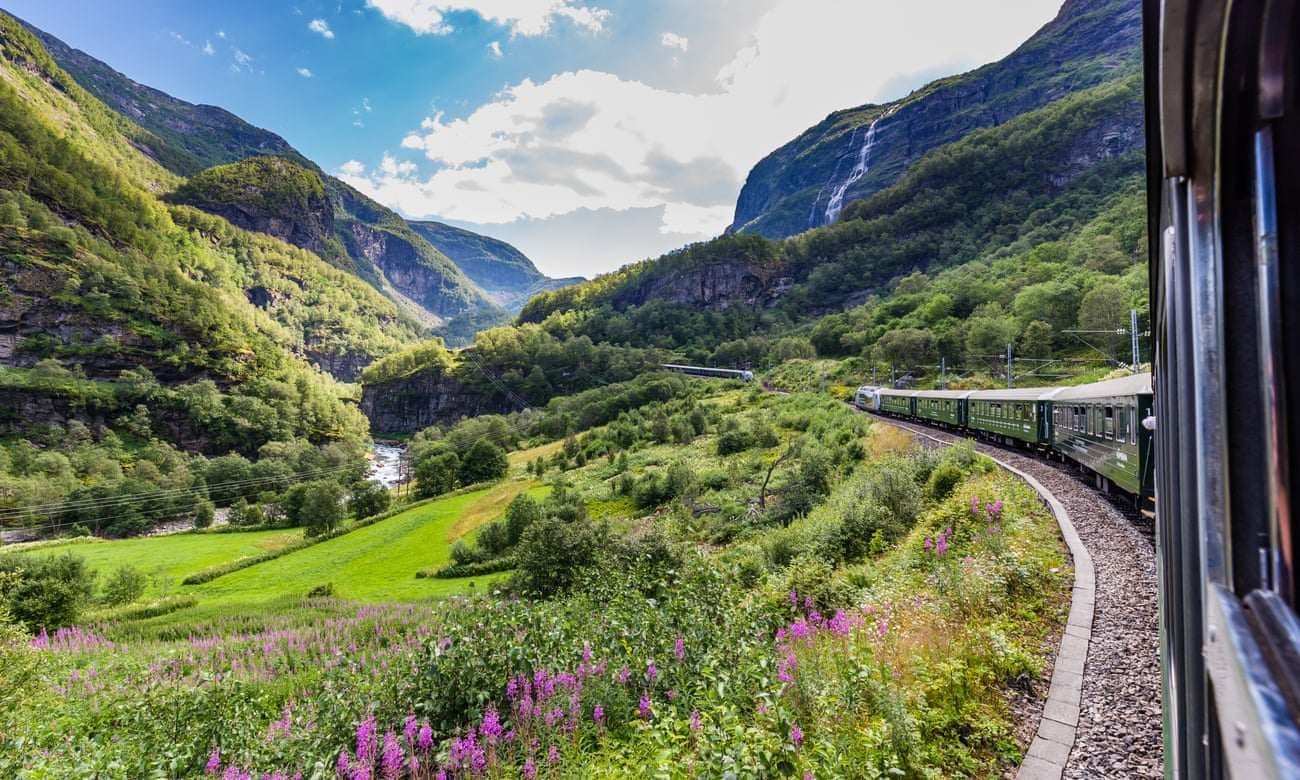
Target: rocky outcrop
418,401
790,191
717,287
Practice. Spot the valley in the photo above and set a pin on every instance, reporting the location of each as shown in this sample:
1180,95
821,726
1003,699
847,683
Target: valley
559,559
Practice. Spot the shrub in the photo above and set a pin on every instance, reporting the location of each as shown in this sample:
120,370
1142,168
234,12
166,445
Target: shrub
435,473
125,585
943,480
553,552
204,513
492,538
46,592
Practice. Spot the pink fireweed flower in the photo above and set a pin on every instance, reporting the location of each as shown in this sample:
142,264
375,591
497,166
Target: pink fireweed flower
796,736
651,673
491,728
214,761
942,547
343,766
366,740
975,505
391,764
425,743
623,675
928,544
695,720
553,755
644,707
679,649
411,730
530,769
794,598
598,715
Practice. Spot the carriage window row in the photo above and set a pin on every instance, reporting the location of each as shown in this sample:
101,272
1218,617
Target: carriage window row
1005,411
1114,423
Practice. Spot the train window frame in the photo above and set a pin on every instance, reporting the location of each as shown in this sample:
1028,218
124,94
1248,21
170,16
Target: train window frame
1133,429
1108,422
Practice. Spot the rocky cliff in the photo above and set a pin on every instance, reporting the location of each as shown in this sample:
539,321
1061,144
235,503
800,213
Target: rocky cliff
716,286
423,399
857,152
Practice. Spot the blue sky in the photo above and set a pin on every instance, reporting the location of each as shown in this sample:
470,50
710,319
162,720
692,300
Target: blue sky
589,133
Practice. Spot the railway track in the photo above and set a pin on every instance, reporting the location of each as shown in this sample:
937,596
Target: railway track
1118,732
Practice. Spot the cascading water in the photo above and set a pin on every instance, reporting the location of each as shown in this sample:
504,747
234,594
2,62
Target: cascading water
835,204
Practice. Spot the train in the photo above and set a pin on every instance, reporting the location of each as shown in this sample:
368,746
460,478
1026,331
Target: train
1223,208
709,372
1098,427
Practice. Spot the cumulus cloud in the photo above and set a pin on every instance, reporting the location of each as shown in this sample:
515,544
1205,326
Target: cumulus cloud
595,141
521,17
207,48
494,48
674,41
322,28
305,73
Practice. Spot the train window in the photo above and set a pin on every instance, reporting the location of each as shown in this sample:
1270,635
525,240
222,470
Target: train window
1109,422
1133,428
1121,424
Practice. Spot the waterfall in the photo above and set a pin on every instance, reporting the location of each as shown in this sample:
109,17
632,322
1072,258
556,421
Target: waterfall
835,204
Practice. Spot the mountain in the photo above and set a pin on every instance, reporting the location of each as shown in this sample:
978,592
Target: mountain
119,309
498,268
857,152
198,141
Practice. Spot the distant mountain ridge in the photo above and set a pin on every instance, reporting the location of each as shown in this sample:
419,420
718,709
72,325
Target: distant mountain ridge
368,239
498,268
860,151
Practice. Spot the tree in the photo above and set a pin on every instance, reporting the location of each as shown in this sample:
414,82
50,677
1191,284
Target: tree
485,462
1055,303
1037,340
906,347
522,512
322,506
1105,307
368,499
435,472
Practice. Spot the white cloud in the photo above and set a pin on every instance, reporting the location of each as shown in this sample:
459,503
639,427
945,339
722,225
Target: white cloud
521,17
353,168
595,142
305,73
321,27
242,58
207,48
674,41
494,48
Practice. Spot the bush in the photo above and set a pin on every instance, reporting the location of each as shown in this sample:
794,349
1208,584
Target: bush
46,592
492,538
204,513
553,552
125,585
943,480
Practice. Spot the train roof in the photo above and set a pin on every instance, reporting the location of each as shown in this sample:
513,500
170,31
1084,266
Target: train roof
1134,384
902,393
944,393
1015,394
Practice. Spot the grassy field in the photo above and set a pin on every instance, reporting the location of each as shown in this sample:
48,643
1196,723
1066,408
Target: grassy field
175,556
375,563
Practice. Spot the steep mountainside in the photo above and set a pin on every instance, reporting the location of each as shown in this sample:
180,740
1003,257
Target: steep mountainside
109,296
499,269
369,240
857,152
208,134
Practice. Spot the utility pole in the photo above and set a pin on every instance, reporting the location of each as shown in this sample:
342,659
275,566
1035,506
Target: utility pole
823,379
1008,365
943,373
1133,329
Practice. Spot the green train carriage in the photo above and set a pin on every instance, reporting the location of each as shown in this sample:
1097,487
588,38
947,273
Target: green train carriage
1099,426
1013,416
